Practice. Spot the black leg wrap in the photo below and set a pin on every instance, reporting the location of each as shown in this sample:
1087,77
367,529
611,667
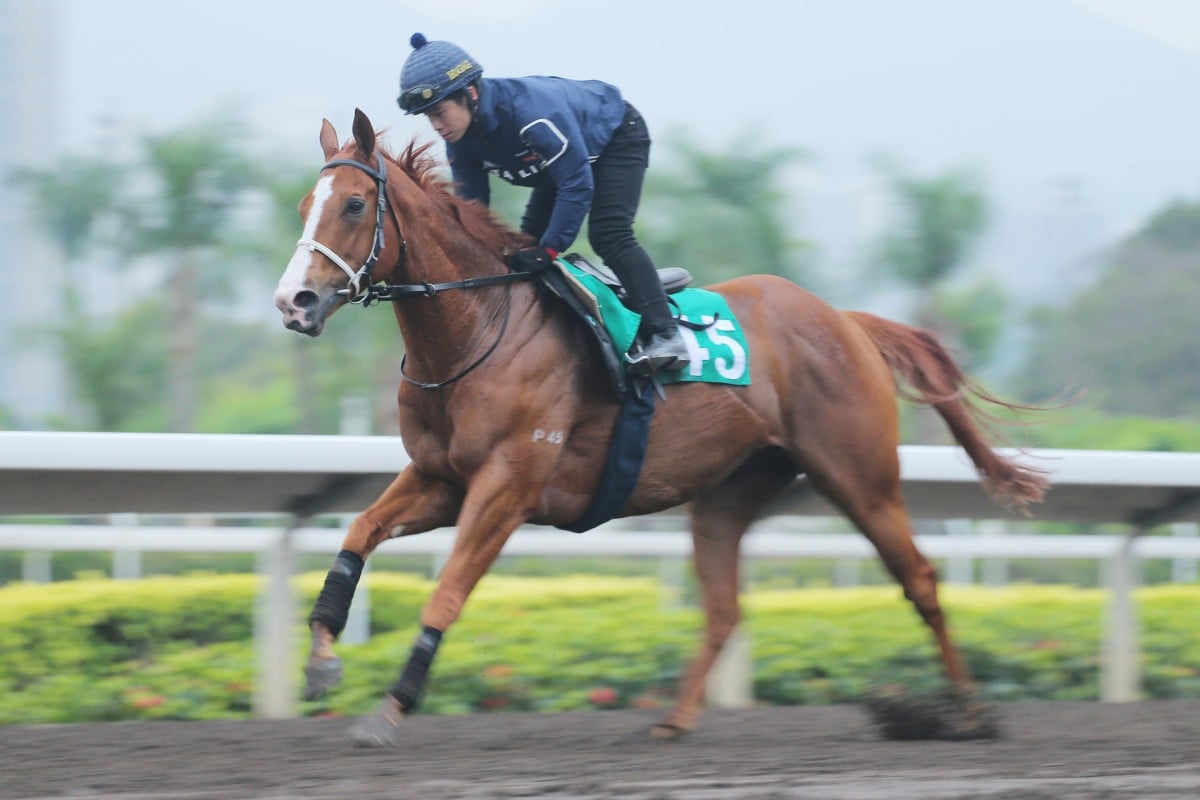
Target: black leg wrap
411,686
333,603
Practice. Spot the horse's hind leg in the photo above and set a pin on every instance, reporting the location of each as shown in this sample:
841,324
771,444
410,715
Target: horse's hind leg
719,520
884,520
868,491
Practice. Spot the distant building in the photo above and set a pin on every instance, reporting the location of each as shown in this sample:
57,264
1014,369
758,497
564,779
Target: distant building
32,383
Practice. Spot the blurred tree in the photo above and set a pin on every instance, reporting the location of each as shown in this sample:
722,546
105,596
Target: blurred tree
1130,340
118,366
973,317
197,176
722,214
248,380
71,199
71,202
194,201
941,219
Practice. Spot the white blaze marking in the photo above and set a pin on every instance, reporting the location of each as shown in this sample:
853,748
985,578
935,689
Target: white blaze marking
295,276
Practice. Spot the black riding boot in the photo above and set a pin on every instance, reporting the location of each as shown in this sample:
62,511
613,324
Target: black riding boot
662,347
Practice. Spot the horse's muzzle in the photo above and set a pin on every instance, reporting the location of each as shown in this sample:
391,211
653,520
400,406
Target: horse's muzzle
309,329
305,310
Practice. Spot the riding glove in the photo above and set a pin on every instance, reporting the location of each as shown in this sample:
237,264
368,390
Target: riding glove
530,259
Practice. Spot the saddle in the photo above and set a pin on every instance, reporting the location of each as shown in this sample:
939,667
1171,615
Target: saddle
673,279
583,304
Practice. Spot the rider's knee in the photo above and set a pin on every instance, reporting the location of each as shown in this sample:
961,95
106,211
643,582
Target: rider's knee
610,239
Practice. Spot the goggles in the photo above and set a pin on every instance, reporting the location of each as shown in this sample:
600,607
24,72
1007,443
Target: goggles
417,97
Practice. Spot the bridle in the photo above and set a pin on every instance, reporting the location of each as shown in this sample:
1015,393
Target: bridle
360,288
362,291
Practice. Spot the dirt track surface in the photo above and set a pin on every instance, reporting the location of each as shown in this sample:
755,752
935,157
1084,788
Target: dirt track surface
1063,751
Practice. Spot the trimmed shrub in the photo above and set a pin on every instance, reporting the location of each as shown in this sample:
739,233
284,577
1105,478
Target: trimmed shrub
180,647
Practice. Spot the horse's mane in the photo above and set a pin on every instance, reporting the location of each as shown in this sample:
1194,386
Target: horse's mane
477,220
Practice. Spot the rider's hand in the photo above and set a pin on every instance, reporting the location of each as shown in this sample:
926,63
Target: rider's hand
530,259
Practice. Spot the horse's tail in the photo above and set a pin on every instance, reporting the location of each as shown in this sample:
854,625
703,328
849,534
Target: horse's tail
938,381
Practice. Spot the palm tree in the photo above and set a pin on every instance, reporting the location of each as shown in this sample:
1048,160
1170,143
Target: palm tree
941,219
198,174
71,201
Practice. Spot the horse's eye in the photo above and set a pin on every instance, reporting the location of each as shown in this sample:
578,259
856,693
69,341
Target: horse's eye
355,205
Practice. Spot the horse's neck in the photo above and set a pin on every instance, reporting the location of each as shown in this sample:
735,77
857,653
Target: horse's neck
455,325
449,314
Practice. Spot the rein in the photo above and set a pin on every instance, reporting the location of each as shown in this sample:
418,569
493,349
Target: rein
474,364
370,294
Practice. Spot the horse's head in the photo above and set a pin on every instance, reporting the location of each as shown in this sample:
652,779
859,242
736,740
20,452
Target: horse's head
343,246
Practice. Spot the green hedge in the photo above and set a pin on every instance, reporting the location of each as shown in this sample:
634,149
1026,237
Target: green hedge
179,647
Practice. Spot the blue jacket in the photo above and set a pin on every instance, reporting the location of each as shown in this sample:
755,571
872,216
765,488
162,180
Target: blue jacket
539,131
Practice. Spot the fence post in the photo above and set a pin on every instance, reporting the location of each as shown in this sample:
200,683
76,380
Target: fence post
275,685
1184,570
730,682
126,564
995,568
37,566
847,572
959,569
1120,669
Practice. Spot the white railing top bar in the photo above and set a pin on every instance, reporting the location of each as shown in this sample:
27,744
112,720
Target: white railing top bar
67,474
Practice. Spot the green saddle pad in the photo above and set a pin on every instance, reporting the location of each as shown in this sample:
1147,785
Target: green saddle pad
714,338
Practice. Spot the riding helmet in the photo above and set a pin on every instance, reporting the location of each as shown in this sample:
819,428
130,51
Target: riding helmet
432,72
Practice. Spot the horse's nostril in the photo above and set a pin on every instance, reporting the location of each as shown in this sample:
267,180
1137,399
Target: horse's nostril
305,299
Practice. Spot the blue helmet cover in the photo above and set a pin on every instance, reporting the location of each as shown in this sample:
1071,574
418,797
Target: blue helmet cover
432,72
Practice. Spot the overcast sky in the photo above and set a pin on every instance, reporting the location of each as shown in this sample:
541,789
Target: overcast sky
1032,92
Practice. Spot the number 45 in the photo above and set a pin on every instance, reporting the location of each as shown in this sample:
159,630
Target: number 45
730,367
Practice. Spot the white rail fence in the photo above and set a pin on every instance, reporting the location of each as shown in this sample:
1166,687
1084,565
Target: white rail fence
277,614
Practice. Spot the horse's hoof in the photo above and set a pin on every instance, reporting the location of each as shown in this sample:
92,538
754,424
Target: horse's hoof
667,732
381,729
932,715
321,675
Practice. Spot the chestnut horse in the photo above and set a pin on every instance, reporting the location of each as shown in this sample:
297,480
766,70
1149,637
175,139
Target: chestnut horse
491,364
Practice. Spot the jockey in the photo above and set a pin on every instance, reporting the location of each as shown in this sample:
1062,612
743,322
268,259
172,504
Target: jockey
578,144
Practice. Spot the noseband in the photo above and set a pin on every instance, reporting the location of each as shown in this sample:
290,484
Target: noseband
360,288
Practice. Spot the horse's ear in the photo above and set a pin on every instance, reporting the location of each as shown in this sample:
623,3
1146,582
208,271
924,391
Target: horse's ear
364,133
329,142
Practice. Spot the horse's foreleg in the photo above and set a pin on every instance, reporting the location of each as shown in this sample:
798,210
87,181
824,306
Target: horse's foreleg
719,520
412,504
493,509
